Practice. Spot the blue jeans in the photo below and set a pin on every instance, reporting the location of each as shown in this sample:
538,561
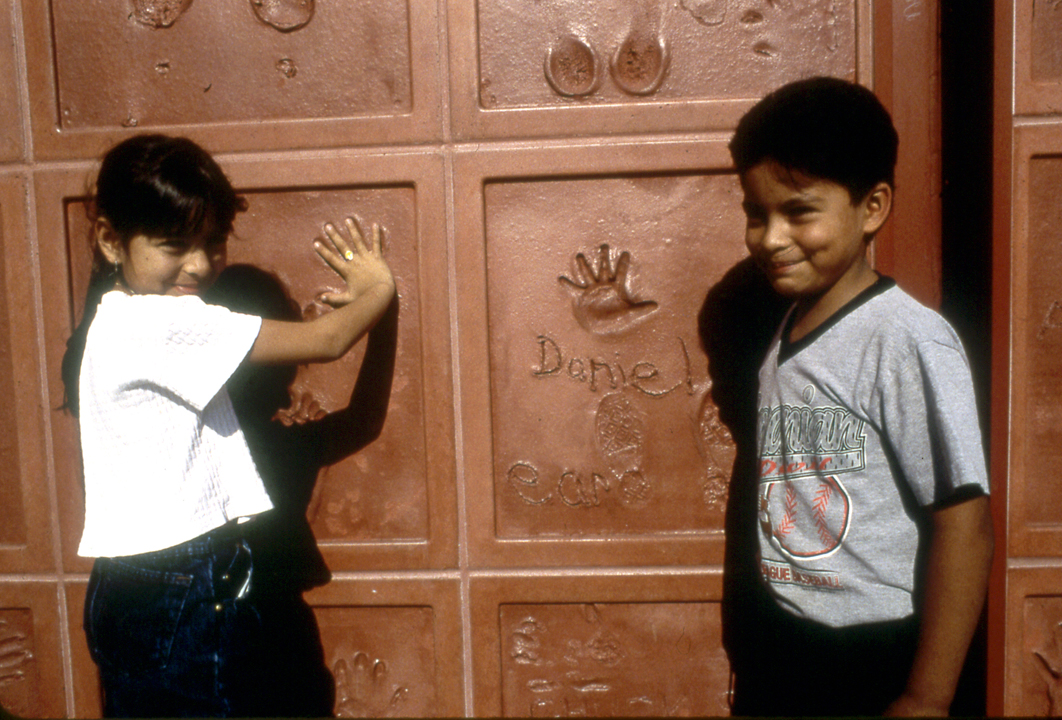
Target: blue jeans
190,631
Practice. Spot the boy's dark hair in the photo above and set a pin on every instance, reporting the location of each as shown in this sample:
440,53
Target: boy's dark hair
824,127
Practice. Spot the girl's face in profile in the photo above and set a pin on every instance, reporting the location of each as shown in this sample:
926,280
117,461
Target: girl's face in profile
169,265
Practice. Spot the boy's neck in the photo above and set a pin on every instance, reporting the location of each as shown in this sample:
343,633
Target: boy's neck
811,312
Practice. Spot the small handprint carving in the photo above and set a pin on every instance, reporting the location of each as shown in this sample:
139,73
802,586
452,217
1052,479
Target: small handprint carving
16,657
363,688
602,303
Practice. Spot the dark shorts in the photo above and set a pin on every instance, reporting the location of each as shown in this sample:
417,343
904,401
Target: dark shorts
792,666
192,631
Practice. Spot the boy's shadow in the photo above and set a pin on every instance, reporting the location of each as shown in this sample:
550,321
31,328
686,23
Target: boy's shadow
291,445
736,323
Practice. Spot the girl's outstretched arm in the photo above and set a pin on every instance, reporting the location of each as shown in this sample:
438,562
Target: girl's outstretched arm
368,292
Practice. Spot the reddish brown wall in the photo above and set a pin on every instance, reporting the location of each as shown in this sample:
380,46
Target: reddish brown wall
1027,373
539,528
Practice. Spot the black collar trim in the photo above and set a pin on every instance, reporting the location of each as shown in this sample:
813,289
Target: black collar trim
788,349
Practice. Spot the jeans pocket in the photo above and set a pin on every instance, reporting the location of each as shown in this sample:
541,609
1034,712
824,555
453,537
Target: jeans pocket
132,615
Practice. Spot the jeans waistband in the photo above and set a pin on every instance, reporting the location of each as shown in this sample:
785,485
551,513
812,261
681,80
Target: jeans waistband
209,544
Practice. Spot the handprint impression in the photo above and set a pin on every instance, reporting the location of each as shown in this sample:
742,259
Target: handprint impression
602,303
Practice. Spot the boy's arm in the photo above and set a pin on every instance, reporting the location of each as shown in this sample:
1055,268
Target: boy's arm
960,554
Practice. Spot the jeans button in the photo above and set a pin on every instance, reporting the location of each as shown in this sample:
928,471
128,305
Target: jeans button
219,607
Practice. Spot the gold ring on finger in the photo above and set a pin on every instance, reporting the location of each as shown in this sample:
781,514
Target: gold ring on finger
349,254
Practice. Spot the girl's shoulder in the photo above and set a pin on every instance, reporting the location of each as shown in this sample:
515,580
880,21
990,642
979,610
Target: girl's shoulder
164,315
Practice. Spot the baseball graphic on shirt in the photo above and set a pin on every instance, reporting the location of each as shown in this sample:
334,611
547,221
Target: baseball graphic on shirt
806,517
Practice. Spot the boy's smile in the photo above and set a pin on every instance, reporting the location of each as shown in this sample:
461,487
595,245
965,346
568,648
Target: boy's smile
809,237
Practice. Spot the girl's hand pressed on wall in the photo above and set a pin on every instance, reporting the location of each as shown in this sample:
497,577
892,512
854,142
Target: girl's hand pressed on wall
370,290
361,265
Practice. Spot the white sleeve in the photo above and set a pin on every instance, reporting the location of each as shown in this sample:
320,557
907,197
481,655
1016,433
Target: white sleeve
187,348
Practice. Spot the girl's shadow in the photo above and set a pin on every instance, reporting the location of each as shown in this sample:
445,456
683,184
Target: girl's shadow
291,448
737,321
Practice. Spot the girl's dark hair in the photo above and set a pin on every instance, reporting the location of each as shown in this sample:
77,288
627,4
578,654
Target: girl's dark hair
152,185
827,128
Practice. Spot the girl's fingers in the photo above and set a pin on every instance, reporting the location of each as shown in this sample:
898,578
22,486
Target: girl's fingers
337,239
335,261
357,239
377,239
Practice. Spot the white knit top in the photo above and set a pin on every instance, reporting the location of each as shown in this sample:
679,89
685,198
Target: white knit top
164,457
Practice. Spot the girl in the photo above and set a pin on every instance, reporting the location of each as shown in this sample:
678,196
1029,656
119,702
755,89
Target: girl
171,491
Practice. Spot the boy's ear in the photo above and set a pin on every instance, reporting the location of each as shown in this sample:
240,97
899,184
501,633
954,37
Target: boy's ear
107,241
877,206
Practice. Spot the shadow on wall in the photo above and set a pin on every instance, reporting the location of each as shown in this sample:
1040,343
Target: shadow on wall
736,324
292,439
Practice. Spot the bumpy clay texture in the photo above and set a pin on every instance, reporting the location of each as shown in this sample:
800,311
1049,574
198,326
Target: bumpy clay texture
690,49
382,659
19,689
1043,339
215,62
159,13
284,15
601,660
601,415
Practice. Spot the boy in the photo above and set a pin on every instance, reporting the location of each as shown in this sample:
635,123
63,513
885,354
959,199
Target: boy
874,533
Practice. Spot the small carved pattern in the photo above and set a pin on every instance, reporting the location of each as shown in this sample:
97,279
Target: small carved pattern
717,448
1042,682
602,302
364,689
382,659
159,13
1052,318
283,15
17,662
612,659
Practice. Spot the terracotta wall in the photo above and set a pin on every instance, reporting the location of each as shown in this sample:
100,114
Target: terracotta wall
1027,339
539,529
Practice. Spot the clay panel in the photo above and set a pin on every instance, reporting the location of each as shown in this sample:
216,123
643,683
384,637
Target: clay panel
361,72
1037,57
602,421
599,647
381,495
392,646
602,59
1042,337
31,678
25,537
1036,336
10,115
1046,49
600,416
1033,652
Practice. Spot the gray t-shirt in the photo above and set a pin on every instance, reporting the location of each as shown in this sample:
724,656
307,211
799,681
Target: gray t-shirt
861,424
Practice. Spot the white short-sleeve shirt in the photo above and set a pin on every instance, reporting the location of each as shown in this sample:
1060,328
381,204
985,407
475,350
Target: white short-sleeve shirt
164,457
